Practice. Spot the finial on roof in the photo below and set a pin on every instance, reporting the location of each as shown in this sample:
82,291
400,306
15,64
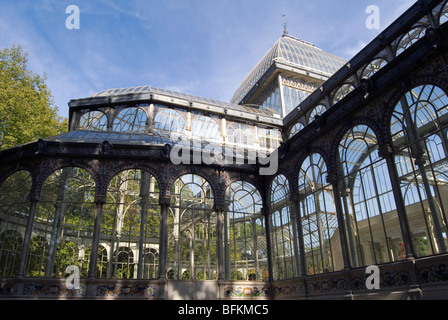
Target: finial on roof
285,25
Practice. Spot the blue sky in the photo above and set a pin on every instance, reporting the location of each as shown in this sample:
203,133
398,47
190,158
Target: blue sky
201,47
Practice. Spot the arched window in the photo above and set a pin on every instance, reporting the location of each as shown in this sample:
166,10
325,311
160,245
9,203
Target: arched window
419,134
318,214
244,234
192,229
131,222
240,135
206,128
124,267
317,111
342,92
409,38
14,212
283,232
93,120
65,213
131,119
372,225
373,67
269,139
169,121
10,249
296,129
102,261
151,264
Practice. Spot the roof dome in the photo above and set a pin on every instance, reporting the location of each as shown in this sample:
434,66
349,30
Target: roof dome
295,52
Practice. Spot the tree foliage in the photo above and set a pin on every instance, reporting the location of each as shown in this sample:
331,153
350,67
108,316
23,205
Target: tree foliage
27,110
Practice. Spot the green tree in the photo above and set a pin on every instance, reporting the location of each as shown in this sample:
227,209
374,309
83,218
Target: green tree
27,110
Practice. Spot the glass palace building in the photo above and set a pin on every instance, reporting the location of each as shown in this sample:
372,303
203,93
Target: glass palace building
360,149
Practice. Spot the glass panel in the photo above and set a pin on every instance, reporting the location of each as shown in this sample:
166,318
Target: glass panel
130,225
418,129
192,252
409,38
342,92
296,129
269,139
443,14
317,111
273,102
373,67
240,135
101,263
93,120
206,128
130,120
293,97
170,121
373,229
63,224
244,234
283,232
323,251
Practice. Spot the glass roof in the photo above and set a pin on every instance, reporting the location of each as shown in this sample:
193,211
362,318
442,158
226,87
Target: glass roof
189,97
112,137
293,51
